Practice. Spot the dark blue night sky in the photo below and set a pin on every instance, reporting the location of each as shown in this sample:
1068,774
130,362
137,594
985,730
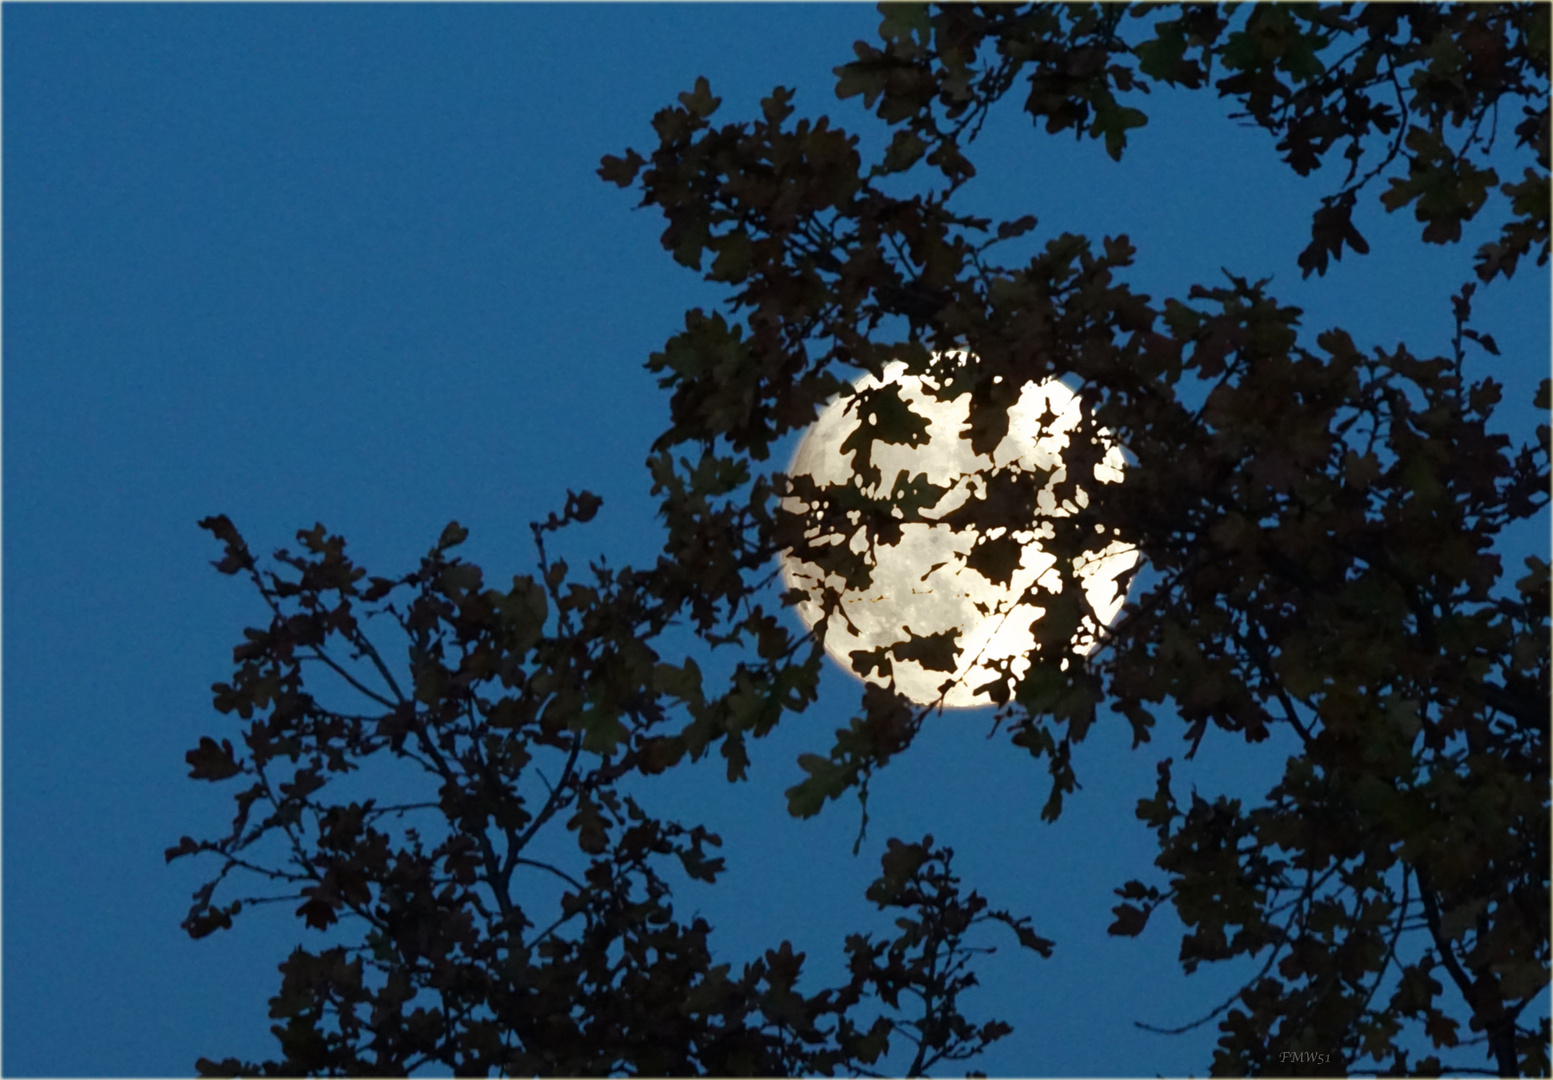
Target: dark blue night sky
352,264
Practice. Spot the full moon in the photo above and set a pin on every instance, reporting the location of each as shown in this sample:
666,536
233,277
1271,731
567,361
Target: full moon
923,582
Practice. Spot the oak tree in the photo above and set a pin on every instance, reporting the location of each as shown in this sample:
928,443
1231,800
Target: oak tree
456,955
1318,520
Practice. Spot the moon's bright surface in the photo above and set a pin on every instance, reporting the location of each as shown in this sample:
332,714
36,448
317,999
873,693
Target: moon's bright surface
923,582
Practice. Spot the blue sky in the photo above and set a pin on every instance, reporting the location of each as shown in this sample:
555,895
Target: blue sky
351,264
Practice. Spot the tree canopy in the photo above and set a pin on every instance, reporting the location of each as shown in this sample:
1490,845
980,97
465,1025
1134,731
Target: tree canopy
1319,524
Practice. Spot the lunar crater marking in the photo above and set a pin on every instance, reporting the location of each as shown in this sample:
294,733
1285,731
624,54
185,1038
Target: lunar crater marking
903,599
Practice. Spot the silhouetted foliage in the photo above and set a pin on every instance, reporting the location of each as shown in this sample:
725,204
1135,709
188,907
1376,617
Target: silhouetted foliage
1317,521
457,960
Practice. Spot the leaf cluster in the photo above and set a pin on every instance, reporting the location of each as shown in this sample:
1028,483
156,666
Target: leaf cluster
478,938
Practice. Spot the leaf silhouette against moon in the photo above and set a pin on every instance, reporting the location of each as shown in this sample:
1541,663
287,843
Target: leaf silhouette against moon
941,583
